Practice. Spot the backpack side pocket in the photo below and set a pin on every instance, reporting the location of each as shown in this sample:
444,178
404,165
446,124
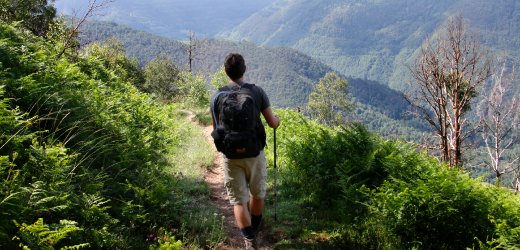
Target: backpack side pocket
218,138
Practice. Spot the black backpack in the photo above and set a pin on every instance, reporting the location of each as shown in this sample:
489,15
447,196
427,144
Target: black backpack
238,132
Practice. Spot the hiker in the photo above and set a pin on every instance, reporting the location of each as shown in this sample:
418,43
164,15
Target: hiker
239,134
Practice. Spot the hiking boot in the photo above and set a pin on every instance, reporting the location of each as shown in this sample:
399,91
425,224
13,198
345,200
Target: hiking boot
250,244
258,228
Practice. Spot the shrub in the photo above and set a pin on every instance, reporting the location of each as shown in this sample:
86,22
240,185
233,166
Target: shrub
385,194
329,165
80,143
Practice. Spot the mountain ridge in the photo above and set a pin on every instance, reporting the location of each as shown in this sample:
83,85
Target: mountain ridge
286,74
372,40
377,40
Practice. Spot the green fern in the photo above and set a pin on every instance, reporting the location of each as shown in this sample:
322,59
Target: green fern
42,236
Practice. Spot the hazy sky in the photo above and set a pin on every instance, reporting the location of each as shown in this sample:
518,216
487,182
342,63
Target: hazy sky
171,18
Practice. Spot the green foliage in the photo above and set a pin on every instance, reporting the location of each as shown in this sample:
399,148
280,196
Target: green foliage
443,208
80,144
162,78
113,56
193,89
219,78
167,242
329,100
333,161
42,236
506,237
35,15
376,193
204,117
322,161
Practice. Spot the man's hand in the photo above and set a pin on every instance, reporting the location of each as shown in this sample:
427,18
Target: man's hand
272,120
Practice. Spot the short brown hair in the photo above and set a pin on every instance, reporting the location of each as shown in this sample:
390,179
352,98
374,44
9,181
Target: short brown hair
235,66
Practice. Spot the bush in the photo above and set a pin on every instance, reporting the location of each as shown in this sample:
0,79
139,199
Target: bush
329,165
385,194
80,144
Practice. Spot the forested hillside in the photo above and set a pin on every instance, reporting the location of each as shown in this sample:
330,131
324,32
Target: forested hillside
89,161
90,158
173,18
377,40
287,75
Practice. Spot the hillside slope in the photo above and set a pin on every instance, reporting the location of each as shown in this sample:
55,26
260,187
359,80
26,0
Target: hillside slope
373,39
87,160
287,75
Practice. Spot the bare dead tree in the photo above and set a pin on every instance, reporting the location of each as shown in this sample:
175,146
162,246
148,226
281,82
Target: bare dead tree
449,73
191,49
430,102
76,22
499,117
516,178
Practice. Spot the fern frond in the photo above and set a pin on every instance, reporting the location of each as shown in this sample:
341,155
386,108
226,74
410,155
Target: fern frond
42,236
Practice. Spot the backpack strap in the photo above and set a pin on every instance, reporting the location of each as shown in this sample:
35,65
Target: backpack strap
213,106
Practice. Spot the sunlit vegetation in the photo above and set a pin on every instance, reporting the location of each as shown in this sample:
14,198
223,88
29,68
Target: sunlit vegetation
346,188
88,160
287,76
97,151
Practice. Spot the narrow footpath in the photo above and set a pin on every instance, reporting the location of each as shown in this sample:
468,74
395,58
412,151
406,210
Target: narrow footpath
214,177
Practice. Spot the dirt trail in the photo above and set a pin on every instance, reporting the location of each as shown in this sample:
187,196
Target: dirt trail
214,177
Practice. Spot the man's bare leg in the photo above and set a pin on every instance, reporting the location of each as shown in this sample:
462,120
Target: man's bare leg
257,206
242,216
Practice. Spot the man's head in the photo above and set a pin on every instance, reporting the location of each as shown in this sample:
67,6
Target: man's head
235,66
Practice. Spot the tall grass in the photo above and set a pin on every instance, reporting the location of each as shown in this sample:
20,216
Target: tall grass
202,225
86,157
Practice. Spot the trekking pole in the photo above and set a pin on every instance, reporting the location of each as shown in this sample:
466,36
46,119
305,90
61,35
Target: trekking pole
274,137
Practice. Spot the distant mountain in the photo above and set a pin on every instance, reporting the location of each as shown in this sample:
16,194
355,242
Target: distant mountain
374,39
367,39
171,18
287,75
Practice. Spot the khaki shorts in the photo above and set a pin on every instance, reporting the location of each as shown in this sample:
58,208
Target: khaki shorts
245,176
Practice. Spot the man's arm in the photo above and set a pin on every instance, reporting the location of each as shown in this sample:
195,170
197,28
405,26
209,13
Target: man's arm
272,120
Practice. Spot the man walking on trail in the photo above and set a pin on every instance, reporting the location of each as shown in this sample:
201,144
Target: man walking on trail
239,134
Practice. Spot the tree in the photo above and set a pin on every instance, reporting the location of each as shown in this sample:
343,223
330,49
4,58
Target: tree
193,89
35,15
162,78
329,101
114,56
192,49
499,118
220,78
449,73
71,33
